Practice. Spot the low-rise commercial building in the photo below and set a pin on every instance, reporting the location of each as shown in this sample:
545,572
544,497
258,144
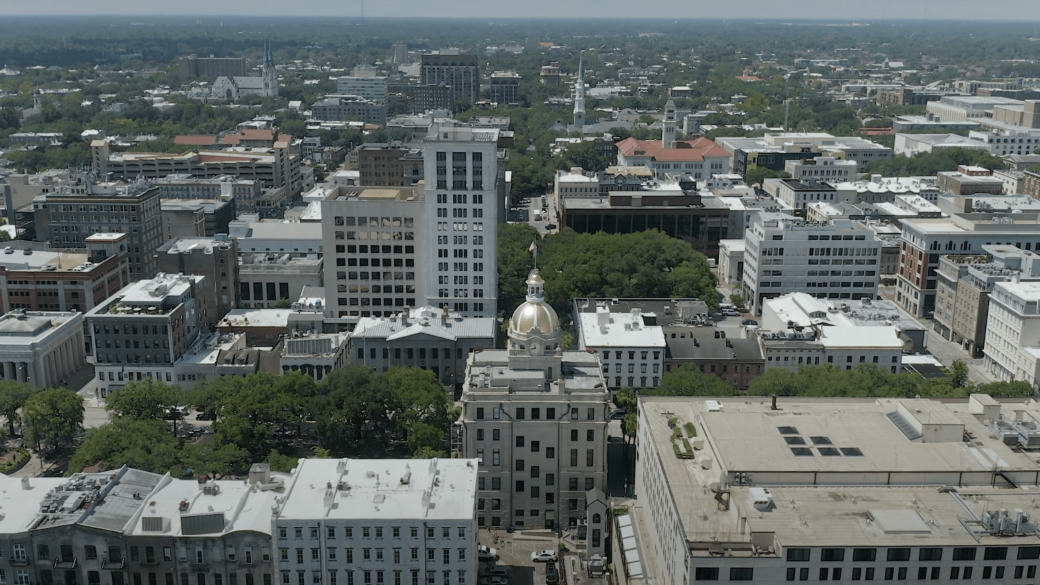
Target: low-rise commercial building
215,258
349,107
313,353
821,168
1012,330
262,327
268,279
141,331
964,285
896,505
424,337
627,336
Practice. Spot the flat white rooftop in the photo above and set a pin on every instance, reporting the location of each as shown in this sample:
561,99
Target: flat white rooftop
390,489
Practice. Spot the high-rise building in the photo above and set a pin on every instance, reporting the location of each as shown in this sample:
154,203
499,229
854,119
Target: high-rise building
462,211
364,83
784,254
69,216
210,67
505,87
461,72
535,418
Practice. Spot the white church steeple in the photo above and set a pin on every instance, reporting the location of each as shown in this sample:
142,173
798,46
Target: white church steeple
579,96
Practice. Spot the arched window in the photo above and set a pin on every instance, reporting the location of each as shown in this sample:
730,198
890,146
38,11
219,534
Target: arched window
596,519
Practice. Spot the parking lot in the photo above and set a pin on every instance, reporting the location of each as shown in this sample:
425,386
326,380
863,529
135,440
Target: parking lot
514,554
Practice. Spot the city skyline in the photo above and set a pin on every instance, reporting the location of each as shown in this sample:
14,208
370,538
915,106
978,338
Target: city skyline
1009,10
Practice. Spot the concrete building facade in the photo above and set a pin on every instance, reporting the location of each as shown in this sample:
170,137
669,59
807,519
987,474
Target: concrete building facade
42,348
783,255
535,418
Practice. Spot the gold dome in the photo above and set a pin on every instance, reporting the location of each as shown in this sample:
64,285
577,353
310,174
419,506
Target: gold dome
534,315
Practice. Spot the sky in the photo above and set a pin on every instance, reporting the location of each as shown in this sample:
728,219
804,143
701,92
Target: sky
1014,10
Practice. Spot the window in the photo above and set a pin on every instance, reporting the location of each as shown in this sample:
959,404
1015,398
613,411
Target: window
864,554
1029,552
832,554
550,452
519,441
930,554
798,554
995,553
898,554
706,574
964,554
741,574
89,551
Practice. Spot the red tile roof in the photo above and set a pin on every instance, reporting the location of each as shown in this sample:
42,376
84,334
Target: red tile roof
685,150
195,140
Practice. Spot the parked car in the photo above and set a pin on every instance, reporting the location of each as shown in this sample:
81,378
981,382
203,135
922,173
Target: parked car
618,414
543,556
486,554
749,322
206,416
552,576
496,572
496,580
731,312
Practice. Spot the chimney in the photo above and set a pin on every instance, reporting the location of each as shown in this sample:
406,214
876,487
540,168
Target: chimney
444,316
773,407
404,318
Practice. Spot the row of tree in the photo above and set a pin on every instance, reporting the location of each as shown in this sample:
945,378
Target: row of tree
353,412
865,380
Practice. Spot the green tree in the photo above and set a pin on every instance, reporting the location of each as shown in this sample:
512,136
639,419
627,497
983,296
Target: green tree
689,380
758,175
145,400
957,374
281,304
139,443
630,426
52,417
12,398
352,413
626,399
737,300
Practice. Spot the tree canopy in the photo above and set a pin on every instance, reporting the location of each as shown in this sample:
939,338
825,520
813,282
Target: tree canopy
354,411
646,264
52,418
930,163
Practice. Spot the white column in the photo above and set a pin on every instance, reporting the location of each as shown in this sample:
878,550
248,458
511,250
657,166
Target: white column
21,371
9,373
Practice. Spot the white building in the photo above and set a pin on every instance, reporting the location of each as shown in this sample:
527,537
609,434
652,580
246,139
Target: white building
373,521
844,334
424,337
966,108
630,343
822,168
42,348
462,210
343,521
799,194
535,417
731,261
1013,332
833,490
1013,180
364,83
782,255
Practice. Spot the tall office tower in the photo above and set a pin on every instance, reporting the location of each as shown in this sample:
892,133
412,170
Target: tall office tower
461,72
461,174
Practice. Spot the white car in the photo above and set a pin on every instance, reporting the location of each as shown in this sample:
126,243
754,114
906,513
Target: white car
543,556
731,312
487,554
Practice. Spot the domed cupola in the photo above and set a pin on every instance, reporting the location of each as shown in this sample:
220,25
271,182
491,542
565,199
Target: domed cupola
535,327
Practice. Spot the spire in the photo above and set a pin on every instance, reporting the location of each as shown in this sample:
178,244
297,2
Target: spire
268,54
668,126
579,95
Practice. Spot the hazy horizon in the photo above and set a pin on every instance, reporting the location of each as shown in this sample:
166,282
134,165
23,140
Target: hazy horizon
952,10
